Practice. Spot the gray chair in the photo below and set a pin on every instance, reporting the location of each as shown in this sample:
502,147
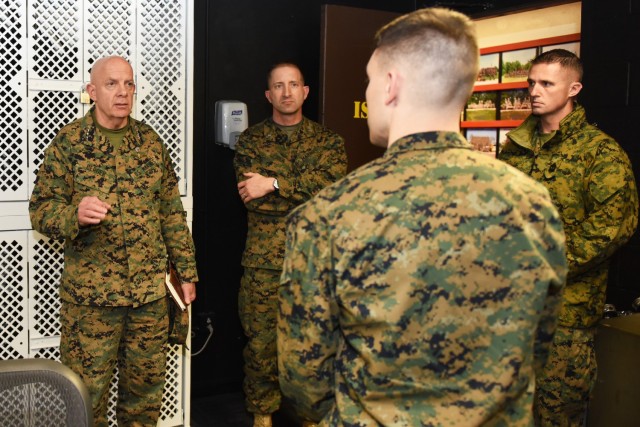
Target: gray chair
42,392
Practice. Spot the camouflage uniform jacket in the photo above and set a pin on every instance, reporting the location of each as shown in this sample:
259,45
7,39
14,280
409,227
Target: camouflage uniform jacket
303,164
590,180
422,289
121,261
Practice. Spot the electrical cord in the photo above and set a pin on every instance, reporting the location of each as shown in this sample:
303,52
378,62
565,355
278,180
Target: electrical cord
210,329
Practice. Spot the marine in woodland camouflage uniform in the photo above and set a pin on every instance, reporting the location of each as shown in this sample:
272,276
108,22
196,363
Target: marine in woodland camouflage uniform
304,158
422,289
114,269
590,179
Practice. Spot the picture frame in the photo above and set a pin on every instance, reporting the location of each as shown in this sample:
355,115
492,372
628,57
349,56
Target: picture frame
515,104
571,47
489,72
484,140
515,65
482,106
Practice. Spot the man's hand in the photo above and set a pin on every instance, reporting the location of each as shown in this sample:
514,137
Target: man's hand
92,210
189,292
255,186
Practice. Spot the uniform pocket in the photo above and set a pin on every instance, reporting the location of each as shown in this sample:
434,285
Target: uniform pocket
147,174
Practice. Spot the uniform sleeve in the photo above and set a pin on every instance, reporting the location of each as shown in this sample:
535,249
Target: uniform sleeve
547,326
612,218
245,152
50,208
549,239
307,328
260,149
321,170
175,230
302,170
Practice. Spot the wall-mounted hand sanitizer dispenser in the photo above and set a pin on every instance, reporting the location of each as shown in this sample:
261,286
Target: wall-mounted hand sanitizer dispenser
231,119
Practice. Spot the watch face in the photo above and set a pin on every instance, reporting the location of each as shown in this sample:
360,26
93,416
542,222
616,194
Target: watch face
275,184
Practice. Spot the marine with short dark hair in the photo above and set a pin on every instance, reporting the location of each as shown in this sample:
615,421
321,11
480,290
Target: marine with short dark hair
280,163
591,182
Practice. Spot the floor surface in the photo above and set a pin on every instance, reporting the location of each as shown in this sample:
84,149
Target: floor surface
228,410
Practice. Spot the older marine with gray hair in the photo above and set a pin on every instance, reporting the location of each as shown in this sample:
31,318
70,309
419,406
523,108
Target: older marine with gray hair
107,186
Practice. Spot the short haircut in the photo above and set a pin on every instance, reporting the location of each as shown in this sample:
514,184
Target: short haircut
565,58
441,45
283,64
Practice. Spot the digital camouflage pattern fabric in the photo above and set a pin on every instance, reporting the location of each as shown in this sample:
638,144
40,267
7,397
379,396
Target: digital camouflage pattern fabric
311,159
89,345
114,304
564,386
123,260
422,289
591,182
305,162
258,307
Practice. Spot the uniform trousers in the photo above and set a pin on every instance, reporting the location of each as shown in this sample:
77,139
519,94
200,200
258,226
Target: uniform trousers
95,340
564,388
258,305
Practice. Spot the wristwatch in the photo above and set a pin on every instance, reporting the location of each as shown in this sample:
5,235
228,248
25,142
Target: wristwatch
275,184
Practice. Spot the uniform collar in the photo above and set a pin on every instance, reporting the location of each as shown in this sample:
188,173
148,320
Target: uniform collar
524,134
428,141
90,133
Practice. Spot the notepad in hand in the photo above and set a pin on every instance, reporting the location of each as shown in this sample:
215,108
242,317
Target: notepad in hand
175,288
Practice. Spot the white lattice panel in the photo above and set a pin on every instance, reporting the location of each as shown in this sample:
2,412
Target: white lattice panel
113,36
13,93
55,40
173,401
161,65
85,31
13,295
46,261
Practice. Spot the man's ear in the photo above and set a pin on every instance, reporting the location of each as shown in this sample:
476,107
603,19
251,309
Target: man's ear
392,88
267,94
575,89
91,90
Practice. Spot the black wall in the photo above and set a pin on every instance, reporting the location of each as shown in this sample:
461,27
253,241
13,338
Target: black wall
235,43
611,97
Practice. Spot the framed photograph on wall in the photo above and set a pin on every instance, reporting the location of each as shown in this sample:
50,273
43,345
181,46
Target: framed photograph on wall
515,104
483,140
571,47
489,69
481,106
516,64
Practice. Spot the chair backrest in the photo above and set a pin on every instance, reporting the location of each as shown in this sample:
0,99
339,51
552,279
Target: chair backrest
42,392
